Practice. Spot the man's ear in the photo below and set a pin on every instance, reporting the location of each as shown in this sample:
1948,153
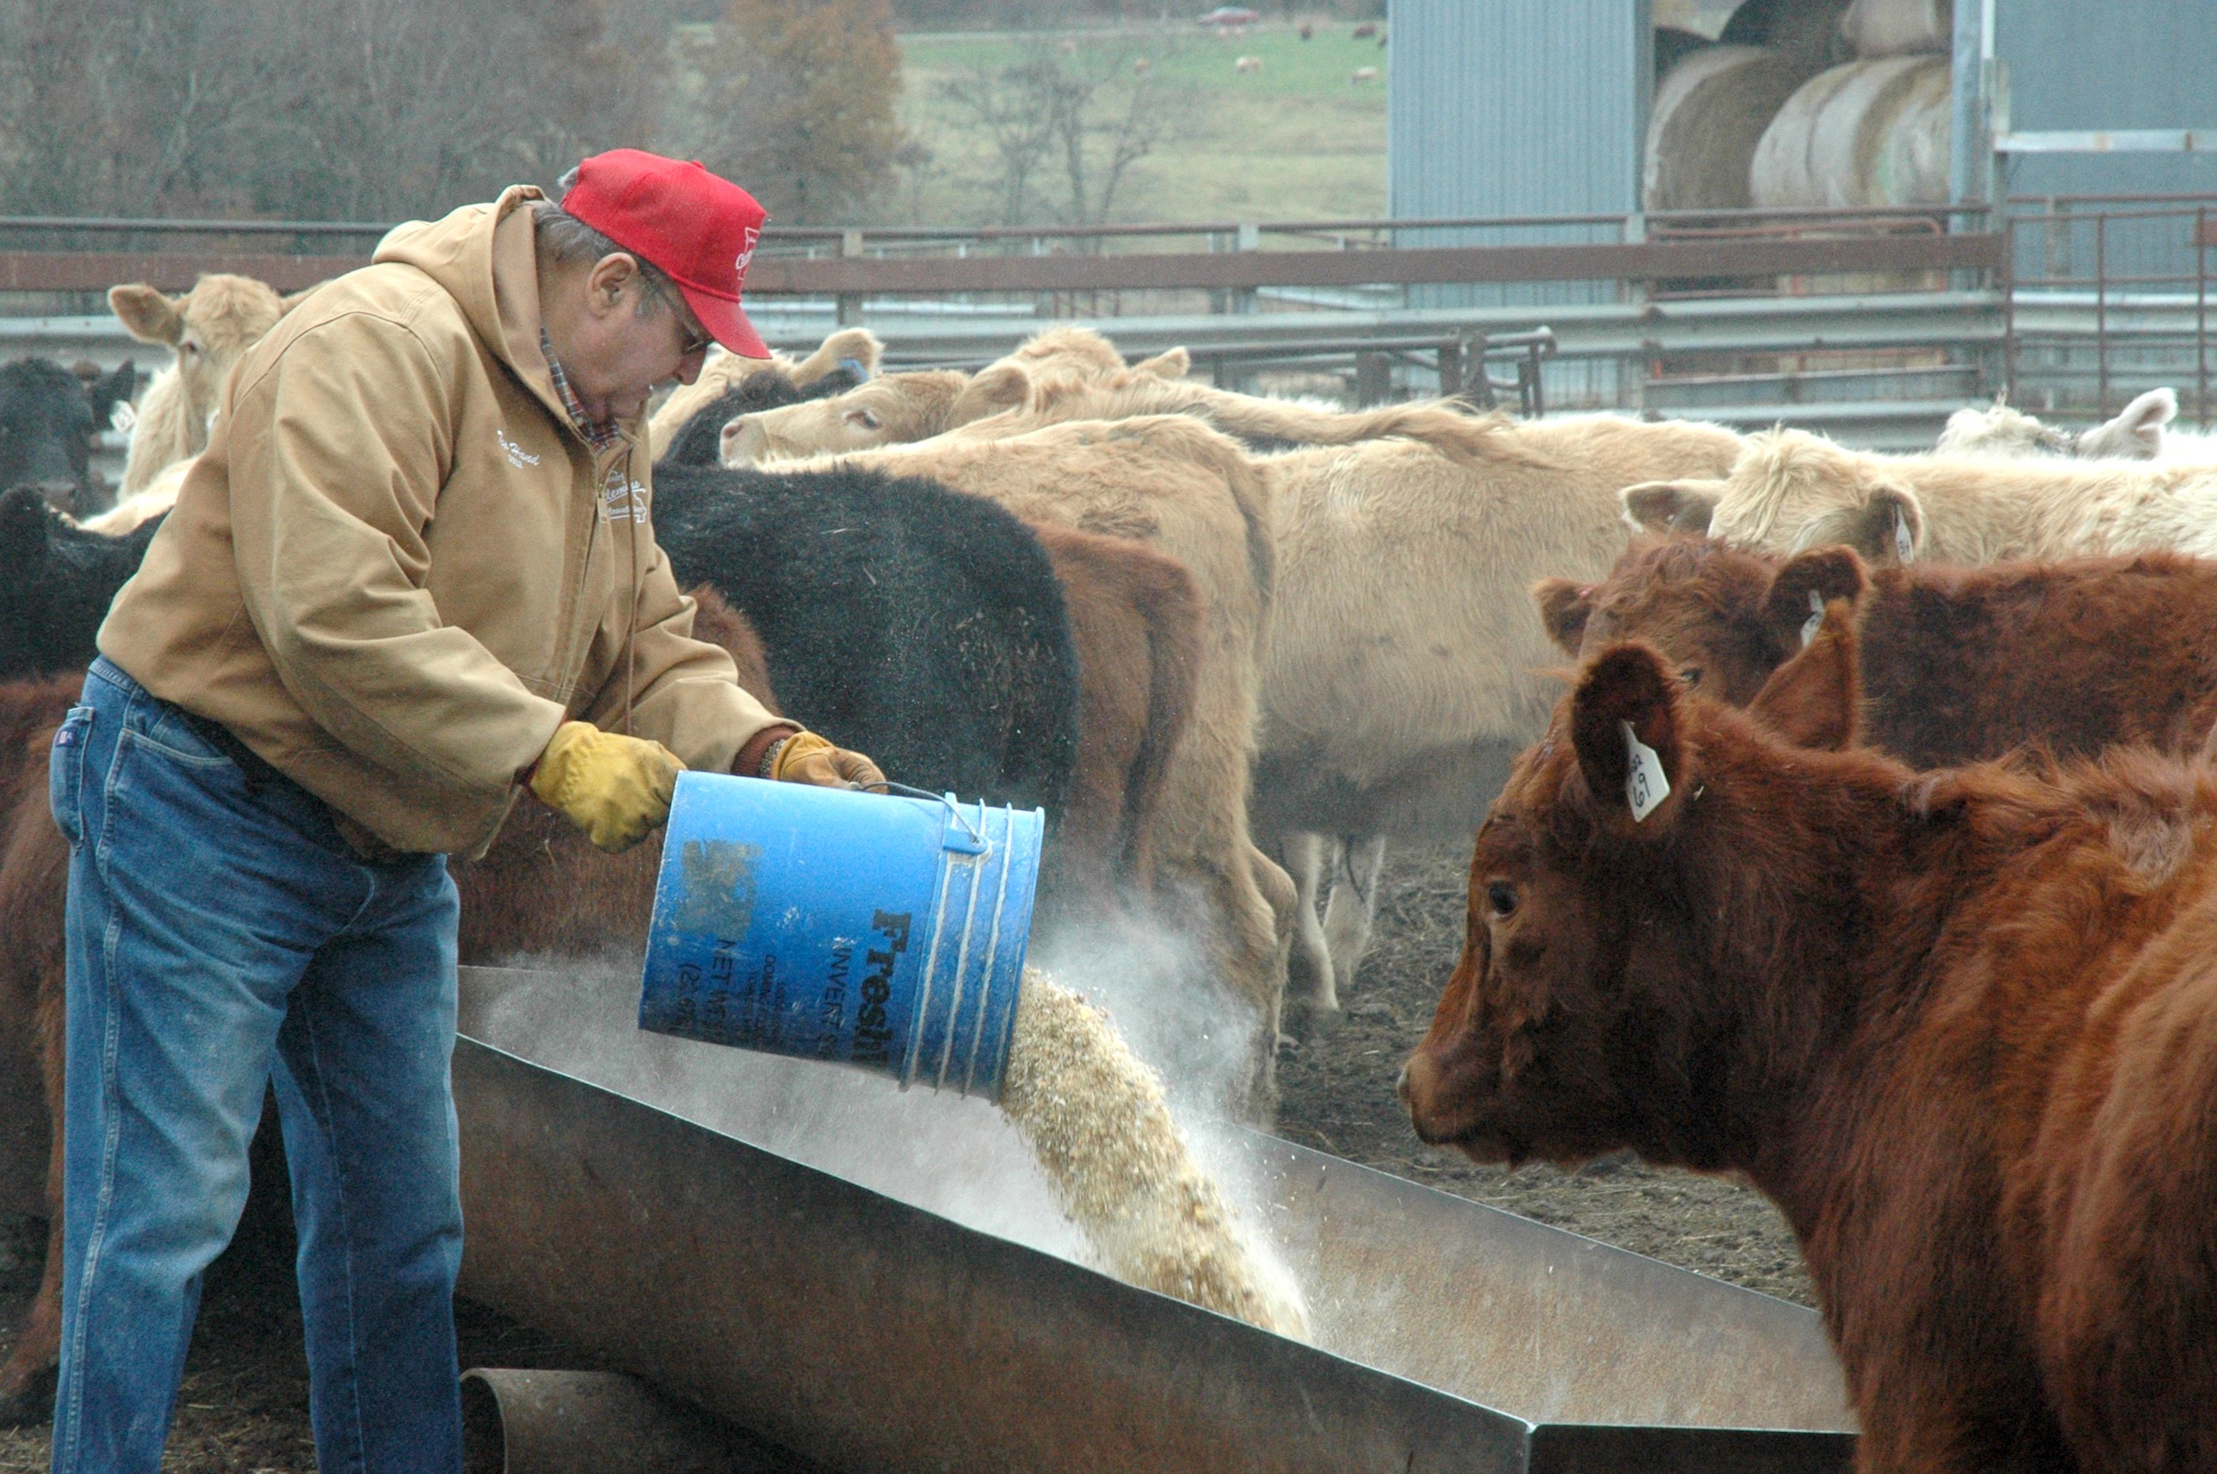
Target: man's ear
146,314
1670,506
1815,699
1802,589
1627,722
992,389
1564,605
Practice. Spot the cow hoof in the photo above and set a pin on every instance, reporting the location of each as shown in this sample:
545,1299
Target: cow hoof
1309,1023
30,1404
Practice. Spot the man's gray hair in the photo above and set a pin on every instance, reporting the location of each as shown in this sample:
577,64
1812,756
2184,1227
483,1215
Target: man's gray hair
565,240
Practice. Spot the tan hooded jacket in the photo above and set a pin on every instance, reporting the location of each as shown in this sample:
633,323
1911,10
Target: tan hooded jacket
399,567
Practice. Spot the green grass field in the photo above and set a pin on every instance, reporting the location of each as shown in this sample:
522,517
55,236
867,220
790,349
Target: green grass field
1296,139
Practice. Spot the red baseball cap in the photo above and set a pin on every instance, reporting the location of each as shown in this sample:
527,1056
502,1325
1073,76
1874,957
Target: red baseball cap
698,229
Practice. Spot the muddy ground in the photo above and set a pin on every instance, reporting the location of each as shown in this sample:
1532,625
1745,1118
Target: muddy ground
244,1405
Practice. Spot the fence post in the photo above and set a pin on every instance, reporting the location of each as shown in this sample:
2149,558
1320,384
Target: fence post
1373,379
850,303
2101,314
1249,239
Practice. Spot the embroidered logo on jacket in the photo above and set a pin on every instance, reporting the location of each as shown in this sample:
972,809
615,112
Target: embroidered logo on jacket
517,455
622,499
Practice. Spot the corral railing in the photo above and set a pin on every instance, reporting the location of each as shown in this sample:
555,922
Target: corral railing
2111,298
1870,323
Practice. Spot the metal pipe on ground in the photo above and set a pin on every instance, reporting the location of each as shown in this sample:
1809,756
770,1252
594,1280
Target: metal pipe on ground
560,1422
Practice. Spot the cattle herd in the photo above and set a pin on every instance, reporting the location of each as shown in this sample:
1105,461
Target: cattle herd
1871,853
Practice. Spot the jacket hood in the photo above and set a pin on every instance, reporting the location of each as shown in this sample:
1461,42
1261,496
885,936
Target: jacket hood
482,256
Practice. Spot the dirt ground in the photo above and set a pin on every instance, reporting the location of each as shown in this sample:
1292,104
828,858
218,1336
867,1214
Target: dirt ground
244,1405
1337,1095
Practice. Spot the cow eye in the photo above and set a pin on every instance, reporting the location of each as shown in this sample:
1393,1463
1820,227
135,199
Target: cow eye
865,418
1691,675
1501,896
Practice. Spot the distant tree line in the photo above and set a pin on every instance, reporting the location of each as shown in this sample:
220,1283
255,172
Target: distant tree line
391,109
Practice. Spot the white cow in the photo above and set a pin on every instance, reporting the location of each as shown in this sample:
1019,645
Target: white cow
1791,490
2141,433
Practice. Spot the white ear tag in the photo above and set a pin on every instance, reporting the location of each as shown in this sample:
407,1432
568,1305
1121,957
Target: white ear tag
1644,786
1815,621
1902,548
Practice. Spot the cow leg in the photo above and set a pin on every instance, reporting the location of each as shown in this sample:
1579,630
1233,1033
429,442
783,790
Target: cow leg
1354,903
27,1378
1309,977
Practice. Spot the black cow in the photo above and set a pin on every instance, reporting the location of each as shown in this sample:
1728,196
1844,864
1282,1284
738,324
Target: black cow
902,619
56,582
48,417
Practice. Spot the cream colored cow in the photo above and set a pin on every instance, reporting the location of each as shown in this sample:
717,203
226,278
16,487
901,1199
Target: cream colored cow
209,329
1791,490
857,349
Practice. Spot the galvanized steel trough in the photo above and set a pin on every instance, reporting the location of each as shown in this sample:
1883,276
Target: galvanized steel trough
647,1198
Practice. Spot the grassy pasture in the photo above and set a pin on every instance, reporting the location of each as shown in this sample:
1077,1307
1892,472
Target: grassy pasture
1295,139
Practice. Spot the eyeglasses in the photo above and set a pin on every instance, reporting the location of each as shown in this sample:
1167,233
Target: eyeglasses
694,341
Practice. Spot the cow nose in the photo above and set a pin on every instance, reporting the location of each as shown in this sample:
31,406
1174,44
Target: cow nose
61,494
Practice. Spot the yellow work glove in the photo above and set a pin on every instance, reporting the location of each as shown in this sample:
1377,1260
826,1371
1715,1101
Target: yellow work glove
613,787
806,757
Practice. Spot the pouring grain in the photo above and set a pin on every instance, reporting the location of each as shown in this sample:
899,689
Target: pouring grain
1095,1115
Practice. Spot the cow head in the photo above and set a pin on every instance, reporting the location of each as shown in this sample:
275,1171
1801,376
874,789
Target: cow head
1790,490
48,418
2137,434
1997,430
56,582
892,409
1727,619
209,328
1576,1021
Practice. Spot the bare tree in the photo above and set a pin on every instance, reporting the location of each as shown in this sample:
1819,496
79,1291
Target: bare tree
1091,110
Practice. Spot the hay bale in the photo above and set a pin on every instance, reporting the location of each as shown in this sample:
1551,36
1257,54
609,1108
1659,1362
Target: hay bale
1709,115
1864,135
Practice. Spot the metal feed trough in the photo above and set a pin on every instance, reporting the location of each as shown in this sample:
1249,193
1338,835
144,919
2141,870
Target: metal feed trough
727,1225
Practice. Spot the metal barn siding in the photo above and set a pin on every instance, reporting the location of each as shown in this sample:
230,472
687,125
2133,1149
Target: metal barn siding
1516,107
2118,64
1509,108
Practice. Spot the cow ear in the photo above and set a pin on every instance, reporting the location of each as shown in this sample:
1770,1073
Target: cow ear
1670,506
2136,434
146,314
1815,699
1628,724
1889,530
111,389
1171,363
25,524
1802,589
1565,605
992,389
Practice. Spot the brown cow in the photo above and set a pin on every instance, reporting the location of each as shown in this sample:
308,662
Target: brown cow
1958,663
1961,1026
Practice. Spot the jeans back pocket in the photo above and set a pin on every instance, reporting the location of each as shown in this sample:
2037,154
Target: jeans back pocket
65,773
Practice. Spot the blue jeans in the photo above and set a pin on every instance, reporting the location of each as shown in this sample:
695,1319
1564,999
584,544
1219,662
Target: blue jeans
223,937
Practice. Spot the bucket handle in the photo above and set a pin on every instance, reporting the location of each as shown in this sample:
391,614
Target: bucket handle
975,833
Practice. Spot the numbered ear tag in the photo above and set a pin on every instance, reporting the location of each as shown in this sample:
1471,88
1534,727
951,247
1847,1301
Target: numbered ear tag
1902,548
1815,621
1644,785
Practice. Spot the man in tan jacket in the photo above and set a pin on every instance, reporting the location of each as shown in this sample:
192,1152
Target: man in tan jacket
412,577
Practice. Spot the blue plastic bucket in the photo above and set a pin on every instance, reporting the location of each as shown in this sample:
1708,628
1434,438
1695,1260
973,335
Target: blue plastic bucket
859,928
